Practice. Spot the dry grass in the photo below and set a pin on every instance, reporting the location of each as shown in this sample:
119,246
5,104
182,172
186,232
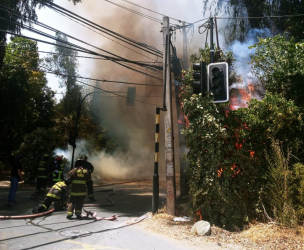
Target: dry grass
257,236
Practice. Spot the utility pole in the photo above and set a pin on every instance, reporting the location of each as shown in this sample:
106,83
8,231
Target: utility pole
211,41
169,143
185,48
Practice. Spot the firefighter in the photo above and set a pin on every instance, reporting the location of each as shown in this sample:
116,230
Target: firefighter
42,175
89,167
79,176
57,169
58,194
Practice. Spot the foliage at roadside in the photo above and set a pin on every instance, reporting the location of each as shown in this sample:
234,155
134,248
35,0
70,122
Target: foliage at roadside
35,145
229,173
278,64
26,102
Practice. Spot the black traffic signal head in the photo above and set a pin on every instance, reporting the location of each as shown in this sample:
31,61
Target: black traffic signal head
218,81
131,95
199,75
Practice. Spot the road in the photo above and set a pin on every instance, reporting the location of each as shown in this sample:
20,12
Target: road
131,201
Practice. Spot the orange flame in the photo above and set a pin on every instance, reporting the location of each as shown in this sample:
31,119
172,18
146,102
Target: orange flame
199,214
236,170
251,153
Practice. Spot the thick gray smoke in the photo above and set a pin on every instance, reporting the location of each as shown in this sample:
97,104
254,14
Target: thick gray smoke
242,54
134,126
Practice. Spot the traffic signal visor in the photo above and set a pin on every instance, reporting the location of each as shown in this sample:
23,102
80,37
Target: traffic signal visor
218,81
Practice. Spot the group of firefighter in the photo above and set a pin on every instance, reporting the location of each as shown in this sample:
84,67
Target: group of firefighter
79,178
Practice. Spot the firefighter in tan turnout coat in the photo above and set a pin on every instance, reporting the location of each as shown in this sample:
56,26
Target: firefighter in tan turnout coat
78,176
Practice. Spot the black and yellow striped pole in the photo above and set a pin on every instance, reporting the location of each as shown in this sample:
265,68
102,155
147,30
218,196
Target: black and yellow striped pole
156,158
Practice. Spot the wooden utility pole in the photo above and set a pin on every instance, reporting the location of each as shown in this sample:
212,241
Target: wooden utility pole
169,143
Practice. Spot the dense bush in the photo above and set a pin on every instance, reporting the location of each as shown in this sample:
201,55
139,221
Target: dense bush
229,173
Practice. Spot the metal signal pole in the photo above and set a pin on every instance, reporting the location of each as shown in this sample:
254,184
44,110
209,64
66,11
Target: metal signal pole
211,41
185,48
169,142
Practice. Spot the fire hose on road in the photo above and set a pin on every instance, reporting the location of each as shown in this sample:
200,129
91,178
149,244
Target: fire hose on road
6,217
94,215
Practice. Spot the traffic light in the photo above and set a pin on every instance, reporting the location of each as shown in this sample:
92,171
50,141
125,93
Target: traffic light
72,139
131,95
199,75
218,81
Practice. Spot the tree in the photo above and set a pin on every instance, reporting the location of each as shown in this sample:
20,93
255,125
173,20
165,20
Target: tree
26,102
35,145
16,13
65,64
278,63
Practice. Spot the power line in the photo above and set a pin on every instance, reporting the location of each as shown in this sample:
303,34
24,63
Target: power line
136,12
105,36
37,22
87,57
84,51
132,42
63,41
117,94
89,84
81,77
260,17
152,11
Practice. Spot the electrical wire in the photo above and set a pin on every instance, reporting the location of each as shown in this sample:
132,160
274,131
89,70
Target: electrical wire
87,57
117,94
106,37
36,22
132,42
260,17
136,12
153,11
45,71
81,77
63,41
84,51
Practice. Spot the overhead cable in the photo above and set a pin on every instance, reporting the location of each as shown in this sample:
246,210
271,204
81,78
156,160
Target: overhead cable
259,17
101,28
87,57
136,12
80,77
36,22
81,50
153,11
55,30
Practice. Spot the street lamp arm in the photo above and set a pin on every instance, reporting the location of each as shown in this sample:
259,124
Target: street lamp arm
80,101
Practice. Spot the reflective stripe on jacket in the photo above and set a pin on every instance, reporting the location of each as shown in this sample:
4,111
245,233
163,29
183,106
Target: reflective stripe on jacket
42,170
79,177
58,191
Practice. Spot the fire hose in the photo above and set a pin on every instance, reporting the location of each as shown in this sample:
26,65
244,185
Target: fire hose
114,217
5,217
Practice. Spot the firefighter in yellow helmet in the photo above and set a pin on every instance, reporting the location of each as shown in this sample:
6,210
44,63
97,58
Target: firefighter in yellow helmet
58,194
79,176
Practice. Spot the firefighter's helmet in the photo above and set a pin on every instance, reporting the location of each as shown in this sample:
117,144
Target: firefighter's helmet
83,157
59,158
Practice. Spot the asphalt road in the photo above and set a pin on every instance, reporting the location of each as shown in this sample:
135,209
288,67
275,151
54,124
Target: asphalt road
131,203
